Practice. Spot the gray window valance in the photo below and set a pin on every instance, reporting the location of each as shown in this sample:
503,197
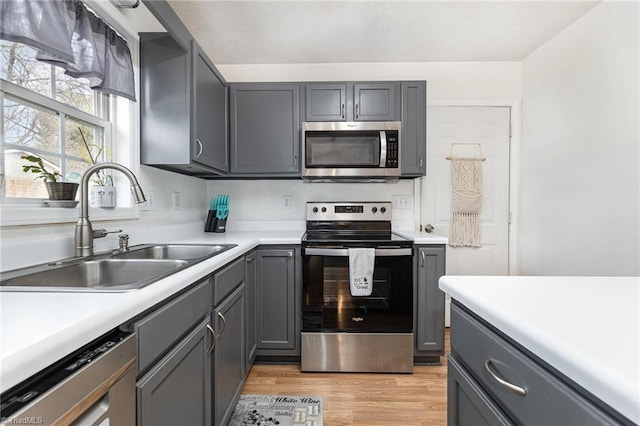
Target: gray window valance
70,36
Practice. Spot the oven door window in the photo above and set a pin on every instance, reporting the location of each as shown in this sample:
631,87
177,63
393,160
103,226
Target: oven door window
328,305
342,149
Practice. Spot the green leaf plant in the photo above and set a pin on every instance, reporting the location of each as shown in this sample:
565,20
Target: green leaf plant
39,168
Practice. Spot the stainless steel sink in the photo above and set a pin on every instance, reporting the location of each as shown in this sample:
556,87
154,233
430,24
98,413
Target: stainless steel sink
110,272
173,251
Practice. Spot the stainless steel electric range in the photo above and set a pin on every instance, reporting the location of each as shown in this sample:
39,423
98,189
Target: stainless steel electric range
345,332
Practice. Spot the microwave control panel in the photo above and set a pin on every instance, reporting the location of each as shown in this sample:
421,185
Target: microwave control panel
392,149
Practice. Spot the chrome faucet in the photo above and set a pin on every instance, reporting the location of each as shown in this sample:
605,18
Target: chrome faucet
84,232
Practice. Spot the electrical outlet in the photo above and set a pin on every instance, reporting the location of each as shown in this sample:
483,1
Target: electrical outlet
147,205
401,202
176,200
286,201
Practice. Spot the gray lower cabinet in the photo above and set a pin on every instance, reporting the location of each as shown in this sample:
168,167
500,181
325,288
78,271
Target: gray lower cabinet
250,302
228,322
492,375
183,108
429,263
177,391
265,129
278,313
352,101
467,403
414,128
174,361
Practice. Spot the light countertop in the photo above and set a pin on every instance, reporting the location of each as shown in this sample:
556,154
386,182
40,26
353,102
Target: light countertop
39,328
587,328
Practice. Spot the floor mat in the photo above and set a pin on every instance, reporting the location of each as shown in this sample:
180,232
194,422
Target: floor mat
281,410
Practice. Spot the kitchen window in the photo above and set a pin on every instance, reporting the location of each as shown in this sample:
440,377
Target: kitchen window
62,120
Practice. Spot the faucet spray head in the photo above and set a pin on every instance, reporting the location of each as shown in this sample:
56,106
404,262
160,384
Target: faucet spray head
138,195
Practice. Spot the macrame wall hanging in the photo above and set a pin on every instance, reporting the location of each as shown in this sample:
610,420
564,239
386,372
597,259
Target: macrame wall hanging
466,199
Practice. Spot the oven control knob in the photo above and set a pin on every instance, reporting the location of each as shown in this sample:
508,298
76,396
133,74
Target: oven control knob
383,209
324,210
374,209
315,210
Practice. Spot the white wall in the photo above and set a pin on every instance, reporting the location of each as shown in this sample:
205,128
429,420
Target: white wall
260,200
580,179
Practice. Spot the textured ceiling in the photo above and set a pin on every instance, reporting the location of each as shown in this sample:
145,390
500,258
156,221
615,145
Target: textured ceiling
285,32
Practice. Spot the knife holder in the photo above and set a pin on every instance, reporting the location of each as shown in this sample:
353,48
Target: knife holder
220,225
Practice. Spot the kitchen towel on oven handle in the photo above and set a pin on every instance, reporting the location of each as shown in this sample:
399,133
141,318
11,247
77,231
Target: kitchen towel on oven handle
361,263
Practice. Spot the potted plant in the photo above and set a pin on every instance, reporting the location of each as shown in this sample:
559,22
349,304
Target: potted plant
57,190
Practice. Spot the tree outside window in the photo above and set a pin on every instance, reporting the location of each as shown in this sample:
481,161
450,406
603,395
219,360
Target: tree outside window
48,114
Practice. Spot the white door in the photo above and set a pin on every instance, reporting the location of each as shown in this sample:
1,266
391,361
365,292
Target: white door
488,126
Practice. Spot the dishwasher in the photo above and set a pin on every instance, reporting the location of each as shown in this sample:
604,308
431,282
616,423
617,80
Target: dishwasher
94,386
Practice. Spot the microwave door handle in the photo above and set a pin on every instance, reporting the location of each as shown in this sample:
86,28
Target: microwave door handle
383,148
345,252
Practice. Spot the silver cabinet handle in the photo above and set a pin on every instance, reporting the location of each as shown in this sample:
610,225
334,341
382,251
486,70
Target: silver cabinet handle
251,259
224,324
420,161
295,161
342,110
214,338
200,147
423,255
517,389
357,107
290,254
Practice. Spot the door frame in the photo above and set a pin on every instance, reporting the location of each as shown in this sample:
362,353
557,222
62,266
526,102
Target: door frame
515,120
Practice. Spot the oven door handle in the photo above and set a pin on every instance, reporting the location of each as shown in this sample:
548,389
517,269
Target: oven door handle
345,252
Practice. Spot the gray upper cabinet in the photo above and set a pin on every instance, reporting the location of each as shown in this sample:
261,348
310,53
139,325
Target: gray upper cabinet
414,128
370,101
326,101
265,129
429,304
210,100
183,107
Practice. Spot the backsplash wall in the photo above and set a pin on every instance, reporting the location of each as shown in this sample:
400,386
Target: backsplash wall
264,200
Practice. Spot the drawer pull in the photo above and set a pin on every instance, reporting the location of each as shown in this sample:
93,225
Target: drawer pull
517,389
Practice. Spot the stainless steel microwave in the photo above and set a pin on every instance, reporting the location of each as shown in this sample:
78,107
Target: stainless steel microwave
339,150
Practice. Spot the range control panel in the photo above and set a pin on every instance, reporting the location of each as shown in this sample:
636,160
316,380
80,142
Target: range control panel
342,211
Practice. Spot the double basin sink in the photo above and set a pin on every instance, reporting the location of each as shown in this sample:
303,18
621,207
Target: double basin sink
133,269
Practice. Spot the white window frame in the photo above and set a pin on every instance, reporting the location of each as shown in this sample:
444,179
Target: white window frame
122,135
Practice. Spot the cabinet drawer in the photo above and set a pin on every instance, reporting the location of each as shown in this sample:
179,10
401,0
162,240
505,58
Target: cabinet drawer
489,358
159,331
227,279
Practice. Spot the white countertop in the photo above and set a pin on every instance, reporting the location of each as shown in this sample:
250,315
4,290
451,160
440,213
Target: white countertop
39,328
422,237
588,328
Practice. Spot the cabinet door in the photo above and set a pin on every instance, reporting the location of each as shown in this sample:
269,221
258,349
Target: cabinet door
414,128
429,312
178,389
265,129
250,283
210,144
376,101
228,321
326,102
278,327
467,403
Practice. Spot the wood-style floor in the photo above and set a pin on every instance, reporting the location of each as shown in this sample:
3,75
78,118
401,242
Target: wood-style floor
363,399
